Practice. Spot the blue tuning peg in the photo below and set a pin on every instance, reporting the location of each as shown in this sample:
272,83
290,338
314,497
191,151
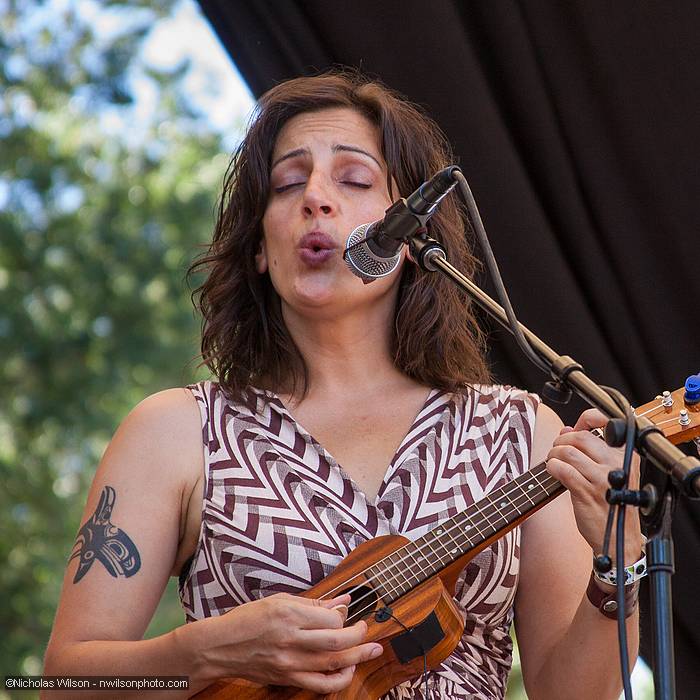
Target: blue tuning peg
692,389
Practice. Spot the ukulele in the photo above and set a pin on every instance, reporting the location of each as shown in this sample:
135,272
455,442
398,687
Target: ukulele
404,589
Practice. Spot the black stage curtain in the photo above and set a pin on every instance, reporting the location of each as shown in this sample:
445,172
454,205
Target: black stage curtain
573,122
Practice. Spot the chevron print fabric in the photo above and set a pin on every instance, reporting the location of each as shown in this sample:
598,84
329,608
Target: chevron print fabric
279,513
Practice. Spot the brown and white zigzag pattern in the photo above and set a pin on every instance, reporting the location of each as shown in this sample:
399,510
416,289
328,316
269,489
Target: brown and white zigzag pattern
279,513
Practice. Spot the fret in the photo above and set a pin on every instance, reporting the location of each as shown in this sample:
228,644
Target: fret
399,581
464,530
476,527
410,557
401,565
484,517
440,537
513,505
502,505
526,493
381,584
372,577
533,490
436,534
455,548
421,559
486,514
430,554
394,588
419,573
505,509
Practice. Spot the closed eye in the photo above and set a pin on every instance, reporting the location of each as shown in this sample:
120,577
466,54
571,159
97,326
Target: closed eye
363,185
284,188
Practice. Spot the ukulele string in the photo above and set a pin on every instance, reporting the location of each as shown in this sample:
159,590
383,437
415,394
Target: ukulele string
329,594
358,614
668,420
649,410
549,480
402,560
422,549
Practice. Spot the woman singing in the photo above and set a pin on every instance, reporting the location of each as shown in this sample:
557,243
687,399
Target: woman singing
340,411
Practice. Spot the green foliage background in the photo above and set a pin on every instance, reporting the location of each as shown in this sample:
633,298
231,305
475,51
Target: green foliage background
98,224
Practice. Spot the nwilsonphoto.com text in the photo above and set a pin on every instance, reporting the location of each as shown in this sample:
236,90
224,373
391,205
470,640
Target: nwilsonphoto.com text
97,683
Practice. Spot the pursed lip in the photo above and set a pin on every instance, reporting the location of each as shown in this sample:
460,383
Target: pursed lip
317,241
316,248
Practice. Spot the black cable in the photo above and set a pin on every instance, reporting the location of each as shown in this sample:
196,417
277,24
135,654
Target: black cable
387,612
495,273
622,402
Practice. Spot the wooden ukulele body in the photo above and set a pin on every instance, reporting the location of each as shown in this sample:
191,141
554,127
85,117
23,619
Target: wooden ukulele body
429,609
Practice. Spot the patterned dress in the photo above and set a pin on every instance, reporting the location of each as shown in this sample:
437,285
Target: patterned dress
279,513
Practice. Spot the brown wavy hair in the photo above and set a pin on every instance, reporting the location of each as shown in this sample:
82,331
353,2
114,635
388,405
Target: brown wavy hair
245,342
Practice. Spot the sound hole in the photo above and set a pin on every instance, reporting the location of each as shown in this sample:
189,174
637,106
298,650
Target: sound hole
363,600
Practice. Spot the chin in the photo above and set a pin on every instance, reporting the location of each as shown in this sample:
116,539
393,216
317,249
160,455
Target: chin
316,293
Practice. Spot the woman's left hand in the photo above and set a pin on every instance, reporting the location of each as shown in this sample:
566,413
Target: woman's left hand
581,461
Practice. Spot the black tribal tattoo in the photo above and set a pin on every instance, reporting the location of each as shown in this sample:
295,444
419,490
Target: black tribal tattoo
99,539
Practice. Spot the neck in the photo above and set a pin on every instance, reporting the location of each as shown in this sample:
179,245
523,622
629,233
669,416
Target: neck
346,351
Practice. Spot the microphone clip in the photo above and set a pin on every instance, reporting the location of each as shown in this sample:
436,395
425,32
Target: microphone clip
425,250
400,222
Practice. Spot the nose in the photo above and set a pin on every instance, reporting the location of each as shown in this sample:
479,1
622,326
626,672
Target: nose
318,195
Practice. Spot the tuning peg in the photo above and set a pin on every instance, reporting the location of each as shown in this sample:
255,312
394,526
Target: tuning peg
692,390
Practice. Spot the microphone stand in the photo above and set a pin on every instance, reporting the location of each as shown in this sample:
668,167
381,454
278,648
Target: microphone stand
660,568
683,470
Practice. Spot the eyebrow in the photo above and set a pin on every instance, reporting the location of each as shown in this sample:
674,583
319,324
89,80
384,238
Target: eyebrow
292,154
354,149
338,148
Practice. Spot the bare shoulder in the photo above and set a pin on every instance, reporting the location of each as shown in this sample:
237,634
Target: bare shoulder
162,431
158,449
166,424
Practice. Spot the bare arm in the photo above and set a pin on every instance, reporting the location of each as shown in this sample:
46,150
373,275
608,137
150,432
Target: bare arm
126,547
124,554
565,642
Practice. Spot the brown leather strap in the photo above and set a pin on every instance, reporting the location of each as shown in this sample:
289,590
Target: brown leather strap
605,600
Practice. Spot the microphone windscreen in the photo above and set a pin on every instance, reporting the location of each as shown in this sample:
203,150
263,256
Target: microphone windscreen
362,261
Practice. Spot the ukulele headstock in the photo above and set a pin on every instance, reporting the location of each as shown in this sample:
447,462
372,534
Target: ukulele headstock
676,413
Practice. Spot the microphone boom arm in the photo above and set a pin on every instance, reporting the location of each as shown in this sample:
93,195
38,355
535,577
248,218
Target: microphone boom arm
431,256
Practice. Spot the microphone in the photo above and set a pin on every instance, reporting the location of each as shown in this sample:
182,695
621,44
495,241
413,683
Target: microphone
372,250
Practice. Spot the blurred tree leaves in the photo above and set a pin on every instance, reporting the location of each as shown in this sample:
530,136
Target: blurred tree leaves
101,212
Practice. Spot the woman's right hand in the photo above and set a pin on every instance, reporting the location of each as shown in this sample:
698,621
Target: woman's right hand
288,640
